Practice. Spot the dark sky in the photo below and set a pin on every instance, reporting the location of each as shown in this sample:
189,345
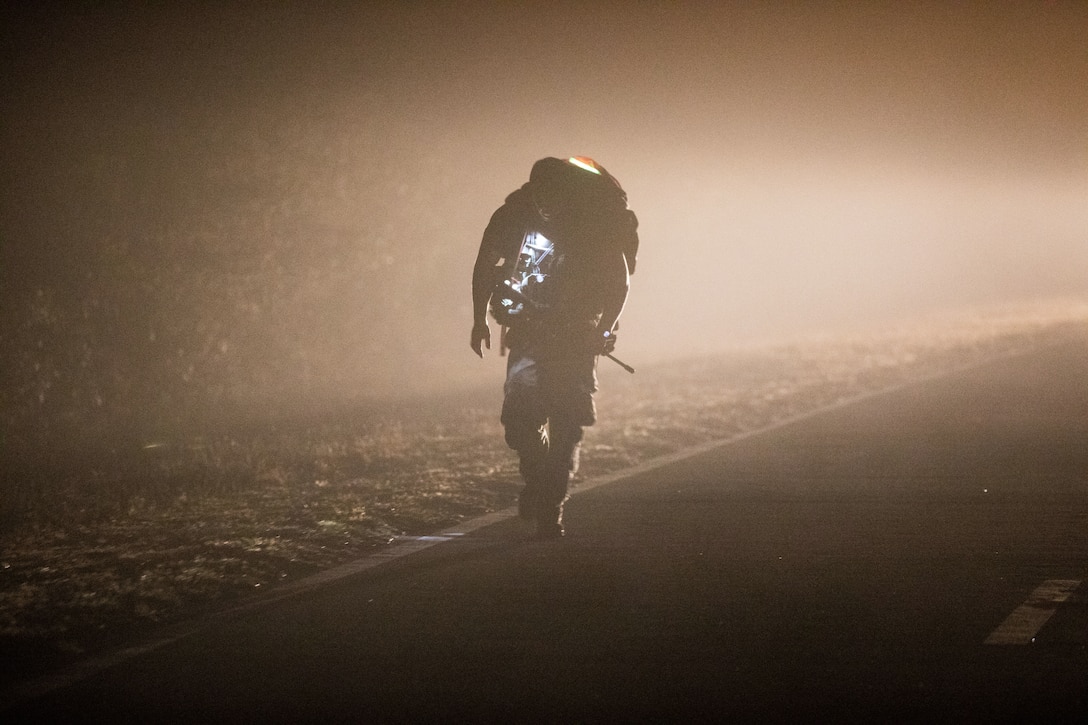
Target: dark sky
796,166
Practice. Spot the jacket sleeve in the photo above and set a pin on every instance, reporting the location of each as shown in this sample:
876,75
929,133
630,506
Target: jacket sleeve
505,226
629,239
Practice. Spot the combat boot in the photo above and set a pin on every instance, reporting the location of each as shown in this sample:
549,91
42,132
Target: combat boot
529,503
549,521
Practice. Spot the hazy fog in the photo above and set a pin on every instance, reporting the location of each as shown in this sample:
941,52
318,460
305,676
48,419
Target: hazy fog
268,203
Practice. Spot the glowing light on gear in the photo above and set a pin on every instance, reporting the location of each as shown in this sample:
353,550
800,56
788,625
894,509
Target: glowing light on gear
586,163
528,283
533,261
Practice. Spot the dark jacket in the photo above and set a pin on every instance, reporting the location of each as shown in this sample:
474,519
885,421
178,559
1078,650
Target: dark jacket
595,238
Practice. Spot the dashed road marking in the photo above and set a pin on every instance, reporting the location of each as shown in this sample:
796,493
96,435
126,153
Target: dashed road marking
1024,623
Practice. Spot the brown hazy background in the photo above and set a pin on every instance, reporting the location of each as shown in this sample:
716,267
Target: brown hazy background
213,204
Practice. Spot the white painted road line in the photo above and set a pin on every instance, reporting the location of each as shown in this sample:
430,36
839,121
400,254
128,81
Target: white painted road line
404,546
1024,623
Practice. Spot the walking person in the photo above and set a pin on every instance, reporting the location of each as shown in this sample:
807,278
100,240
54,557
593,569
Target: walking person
553,268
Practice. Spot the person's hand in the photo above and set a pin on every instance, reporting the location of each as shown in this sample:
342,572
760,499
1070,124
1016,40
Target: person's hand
601,342
609,341
609,337
481,336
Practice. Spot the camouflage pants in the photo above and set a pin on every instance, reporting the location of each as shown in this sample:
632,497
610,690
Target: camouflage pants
548,401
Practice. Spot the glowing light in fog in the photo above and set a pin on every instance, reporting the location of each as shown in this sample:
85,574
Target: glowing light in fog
584,163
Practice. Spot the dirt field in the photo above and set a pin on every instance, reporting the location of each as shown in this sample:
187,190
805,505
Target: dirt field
226,517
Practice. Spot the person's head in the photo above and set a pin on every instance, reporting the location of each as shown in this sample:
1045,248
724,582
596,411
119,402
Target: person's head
547,183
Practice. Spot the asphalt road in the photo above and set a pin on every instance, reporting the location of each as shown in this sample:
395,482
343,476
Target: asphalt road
913,556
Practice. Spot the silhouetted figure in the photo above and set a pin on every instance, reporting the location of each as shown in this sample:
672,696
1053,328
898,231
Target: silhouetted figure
554,264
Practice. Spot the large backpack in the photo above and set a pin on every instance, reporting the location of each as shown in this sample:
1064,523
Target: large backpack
595,214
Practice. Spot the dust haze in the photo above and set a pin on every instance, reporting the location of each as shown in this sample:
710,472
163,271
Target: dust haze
207,206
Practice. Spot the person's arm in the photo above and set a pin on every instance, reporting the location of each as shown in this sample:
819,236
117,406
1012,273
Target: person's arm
501,229
619,283
615,288
630,240
483,280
